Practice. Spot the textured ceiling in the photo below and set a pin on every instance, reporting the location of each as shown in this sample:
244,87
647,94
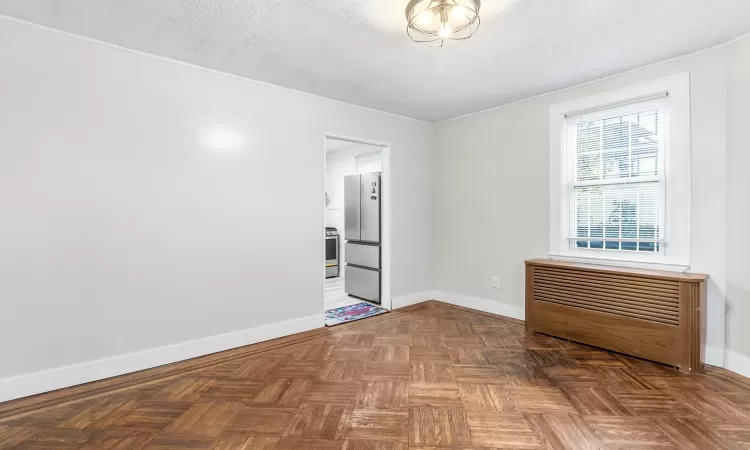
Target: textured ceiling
357,51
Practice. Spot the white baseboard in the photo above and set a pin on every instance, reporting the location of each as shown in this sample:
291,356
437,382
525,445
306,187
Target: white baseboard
481,304
736,362
49,380
411,299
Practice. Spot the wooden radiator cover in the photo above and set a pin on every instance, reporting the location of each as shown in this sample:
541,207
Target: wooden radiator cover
655,315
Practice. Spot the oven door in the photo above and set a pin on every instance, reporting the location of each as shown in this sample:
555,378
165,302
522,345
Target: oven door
332,250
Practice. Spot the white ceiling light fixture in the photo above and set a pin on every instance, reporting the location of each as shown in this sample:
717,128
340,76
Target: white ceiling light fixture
441,22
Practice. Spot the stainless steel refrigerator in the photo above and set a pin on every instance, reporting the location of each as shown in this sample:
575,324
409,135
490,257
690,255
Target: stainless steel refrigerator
362,234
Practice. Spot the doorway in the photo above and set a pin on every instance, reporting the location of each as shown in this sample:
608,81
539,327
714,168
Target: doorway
356,214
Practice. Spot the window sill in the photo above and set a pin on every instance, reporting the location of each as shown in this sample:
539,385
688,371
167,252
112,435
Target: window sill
672,267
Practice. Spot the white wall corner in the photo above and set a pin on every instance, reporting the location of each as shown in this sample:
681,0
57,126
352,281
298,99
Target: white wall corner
61,377
714,356
735,362
412,299
481,304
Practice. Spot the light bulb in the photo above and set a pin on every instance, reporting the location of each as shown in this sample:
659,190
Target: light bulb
458,12
424,18
445,31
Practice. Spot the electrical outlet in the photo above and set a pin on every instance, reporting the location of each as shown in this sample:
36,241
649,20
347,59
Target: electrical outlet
496,282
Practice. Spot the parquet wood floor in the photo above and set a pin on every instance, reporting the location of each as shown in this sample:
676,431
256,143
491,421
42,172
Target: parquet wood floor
434,377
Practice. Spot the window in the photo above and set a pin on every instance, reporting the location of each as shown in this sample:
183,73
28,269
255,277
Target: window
620,172
616,183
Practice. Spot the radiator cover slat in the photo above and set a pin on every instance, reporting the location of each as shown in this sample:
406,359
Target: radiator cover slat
578,287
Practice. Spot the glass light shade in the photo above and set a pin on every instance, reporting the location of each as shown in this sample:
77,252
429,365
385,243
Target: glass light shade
446,31
424,19
441,22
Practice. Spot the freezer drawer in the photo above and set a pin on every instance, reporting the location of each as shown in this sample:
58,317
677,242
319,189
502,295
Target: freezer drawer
363,283
363,255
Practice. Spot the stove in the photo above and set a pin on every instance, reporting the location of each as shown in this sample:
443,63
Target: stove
332,252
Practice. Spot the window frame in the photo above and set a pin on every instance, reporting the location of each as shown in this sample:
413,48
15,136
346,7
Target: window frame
675,254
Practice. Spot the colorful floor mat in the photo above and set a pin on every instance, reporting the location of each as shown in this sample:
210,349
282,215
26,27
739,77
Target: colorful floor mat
352,312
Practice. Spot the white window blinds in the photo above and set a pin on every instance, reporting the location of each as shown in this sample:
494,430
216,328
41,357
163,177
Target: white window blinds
616,183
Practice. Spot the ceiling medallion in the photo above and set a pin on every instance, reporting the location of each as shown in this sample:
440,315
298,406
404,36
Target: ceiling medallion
441,22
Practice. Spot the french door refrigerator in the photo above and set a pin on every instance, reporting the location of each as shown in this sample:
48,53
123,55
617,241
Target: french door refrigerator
362,234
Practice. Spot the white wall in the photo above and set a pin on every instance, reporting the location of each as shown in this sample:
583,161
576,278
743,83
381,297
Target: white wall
120,232
492,184
738,206
338,165
369,162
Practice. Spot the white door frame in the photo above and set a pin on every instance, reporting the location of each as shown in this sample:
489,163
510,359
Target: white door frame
386,196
